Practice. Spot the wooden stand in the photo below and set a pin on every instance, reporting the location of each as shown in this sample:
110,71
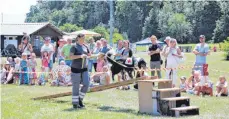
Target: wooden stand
163,100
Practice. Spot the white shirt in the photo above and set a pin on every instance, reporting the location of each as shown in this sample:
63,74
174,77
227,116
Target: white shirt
49,48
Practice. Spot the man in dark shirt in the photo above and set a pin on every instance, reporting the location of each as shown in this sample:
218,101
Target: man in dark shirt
155,57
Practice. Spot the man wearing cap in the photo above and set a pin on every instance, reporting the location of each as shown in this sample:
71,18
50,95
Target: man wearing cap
201,51
66,52
167,40
50,49
79,55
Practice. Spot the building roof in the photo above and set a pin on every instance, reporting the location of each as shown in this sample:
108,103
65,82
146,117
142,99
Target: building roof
29,28
147,41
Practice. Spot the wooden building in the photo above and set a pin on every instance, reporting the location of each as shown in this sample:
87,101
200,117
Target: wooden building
13,33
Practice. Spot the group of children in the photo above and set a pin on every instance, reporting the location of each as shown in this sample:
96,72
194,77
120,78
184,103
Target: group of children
23,71
198,84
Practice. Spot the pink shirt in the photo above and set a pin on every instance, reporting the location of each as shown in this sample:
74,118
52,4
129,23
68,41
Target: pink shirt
45,62
100,64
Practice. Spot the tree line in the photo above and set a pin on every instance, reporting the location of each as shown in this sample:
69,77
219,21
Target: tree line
136,20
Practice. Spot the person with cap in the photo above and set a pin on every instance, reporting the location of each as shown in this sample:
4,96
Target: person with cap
167,40
79,55
105,47
48,47
66,52
25,46
201,51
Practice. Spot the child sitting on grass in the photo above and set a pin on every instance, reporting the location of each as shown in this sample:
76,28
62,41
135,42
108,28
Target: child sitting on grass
42,77
68,80
204,85
221,87
183,84
60,81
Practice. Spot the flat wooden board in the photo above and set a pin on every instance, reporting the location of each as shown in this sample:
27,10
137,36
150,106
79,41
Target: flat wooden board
167,89
184,108
175,98
93,89
156,80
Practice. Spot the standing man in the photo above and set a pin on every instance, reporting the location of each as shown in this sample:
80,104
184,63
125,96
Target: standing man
66,52
79,54
48,47
201,51
155,57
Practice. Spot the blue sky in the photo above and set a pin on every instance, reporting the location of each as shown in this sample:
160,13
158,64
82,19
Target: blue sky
14,11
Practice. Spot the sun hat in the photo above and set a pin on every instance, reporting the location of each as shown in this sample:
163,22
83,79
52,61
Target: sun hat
183,78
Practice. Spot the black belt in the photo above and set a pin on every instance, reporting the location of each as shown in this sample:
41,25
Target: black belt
75,70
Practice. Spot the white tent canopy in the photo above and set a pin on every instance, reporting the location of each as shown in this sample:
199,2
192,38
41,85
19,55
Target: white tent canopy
85,32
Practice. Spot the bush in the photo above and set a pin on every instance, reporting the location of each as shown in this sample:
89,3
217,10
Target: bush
225,47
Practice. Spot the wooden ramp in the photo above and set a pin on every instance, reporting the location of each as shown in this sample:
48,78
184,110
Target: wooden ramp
164,99
93,89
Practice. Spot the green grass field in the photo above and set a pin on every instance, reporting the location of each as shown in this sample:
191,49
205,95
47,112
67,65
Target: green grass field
16,100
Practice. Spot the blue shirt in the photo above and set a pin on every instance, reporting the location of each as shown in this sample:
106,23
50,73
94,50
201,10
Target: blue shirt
201,49
105,49
119,51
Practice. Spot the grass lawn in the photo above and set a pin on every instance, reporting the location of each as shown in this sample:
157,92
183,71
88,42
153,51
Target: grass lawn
16,100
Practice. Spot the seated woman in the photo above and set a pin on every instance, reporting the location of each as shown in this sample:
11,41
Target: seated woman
7,74
103,78
222,87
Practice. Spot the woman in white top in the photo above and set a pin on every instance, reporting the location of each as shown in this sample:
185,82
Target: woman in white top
25,46
174,56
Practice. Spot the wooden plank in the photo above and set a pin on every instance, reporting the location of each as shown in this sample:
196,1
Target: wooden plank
156,80
175,98
93,89
113,85
185,108
167,89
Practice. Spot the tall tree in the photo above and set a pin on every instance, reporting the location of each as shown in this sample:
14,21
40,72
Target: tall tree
221,31
209,15
151,25
179,27
128,19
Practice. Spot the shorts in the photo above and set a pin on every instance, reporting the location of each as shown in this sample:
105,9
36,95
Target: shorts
50,64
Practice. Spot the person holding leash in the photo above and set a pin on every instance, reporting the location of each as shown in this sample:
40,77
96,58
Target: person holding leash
79,55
